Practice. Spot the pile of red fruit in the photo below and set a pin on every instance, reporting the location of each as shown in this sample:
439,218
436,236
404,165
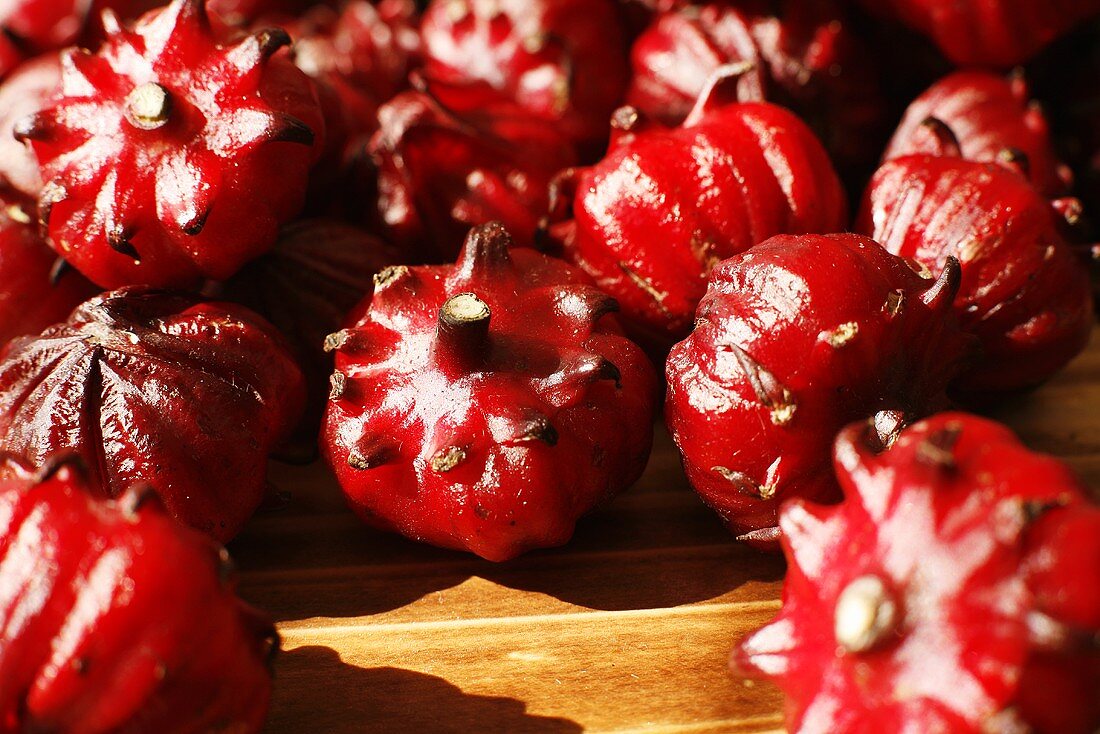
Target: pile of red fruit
452,244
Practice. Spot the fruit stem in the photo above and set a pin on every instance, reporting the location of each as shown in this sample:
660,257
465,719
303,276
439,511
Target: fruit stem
462,336
149,106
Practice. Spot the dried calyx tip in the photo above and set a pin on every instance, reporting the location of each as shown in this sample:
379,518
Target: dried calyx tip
149,106
486,247
865,614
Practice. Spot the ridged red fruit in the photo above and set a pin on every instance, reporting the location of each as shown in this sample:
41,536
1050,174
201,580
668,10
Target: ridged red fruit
1024,293
35,291
564,61
306,287
803,57
487,405
118,619
157,145
189,396
439,174
653,217
27,90
912,606
1000,33
366,47
795,339
993,119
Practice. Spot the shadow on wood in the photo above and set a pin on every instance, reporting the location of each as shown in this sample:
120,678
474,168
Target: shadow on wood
316,691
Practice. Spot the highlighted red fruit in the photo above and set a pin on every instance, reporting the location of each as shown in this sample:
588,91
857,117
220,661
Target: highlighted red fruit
486,405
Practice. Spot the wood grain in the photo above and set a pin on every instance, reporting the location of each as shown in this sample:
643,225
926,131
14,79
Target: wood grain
627,629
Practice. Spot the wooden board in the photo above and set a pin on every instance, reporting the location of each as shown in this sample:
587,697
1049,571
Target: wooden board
626,629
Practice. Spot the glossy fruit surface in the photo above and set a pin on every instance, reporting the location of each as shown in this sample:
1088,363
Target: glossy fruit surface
803,56
117,618
486,405
440,174
992,118
1025,294
188,395
653,217
564,61
34,291
996,33
27,90
913,606
157,144
796,338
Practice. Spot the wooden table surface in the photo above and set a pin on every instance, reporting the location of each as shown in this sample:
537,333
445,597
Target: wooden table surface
625,629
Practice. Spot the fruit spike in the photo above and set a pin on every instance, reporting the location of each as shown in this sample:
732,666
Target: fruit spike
982,116
973,561
59,391
780,360
109,643
486,405
155,143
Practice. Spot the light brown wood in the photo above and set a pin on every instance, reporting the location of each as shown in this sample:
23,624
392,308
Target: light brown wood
626,629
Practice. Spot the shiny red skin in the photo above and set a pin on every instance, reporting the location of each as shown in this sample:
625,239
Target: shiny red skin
945,520
548,416
318,271
564,61
993,118
371,49
1024,293
653,217
439,174
27,90
187,395
782,358
30,297
804,55
997,33
163,206
117,618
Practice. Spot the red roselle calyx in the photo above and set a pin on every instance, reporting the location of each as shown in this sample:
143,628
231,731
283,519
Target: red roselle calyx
28,89
653,217
993,120
796,338
36,289
998,33
487,405
119,618
188,395
935,597
563,61
156,144
802,54
1025,294
439,174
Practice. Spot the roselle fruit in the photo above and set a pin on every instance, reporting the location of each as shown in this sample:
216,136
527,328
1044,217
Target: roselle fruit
940,596
1025,293
794,339
486,405
563,61
802,55
654,216
36,290
187,395
28,89
997,33
439,174
117,618
319,270
174,152
992,119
